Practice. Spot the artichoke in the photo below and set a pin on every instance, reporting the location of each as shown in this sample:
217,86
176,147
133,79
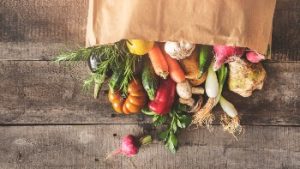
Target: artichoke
245,77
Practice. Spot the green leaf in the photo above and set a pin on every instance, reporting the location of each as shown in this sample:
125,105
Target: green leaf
164,135
179,124
185,121
222,74
174,126
172,142
159,120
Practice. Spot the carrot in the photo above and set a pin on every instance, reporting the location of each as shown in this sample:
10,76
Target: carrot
176,72
159,62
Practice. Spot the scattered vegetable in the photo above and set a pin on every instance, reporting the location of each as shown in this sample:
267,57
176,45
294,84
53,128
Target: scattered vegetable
150,80
230,120
190,66
254,57
224,53
245,77
134,102
130,146
211,84
176,72
179,50
222,76
185,90
188,69
164,98
204,59
159,62
139,47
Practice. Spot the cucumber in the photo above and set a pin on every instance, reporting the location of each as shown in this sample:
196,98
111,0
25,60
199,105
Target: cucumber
149,80
204,59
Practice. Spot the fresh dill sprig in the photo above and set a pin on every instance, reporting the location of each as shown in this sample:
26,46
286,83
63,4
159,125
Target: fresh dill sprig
111,58
77,55
128,74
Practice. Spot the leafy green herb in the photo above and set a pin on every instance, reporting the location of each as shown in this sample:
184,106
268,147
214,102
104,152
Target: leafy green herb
115,57
177,120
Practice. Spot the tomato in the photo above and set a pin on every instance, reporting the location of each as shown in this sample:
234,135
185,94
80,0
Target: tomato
134,102
139,47
131,107
117,107
140,101
125,110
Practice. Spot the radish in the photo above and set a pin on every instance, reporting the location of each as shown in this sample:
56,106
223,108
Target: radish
223,54
130,146
254,57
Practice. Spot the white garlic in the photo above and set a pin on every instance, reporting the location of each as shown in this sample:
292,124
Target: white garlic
179,50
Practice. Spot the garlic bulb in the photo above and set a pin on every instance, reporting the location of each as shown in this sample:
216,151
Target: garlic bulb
179,50
245,77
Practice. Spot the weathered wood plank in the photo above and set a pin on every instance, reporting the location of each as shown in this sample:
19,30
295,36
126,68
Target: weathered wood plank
41,92
78,147
27,24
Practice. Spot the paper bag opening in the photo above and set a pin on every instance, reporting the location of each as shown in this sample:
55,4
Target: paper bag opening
245,23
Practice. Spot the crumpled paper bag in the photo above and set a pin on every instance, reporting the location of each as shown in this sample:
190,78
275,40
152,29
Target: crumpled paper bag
245,23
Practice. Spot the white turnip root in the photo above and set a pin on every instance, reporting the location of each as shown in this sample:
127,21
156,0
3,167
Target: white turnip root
245,77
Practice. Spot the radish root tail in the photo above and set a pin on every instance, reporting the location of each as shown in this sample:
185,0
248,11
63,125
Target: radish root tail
204,116
232,125
113,153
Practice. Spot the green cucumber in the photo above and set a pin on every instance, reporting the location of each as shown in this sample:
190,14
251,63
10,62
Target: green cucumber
149,80
204,59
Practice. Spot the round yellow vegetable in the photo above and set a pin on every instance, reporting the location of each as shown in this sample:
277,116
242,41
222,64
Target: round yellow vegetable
139,47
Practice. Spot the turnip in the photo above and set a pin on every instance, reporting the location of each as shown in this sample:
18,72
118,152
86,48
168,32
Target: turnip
130,146
224,53
245,77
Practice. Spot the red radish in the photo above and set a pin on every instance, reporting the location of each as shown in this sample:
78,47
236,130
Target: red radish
223,54
255,57
130,146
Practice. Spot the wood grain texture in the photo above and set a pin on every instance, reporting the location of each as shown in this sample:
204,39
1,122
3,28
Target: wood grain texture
60,24
79,147
41,92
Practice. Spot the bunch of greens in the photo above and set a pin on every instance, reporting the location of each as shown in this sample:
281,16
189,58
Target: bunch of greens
113,58
176,119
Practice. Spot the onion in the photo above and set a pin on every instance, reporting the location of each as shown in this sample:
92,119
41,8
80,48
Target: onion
228,107
211,84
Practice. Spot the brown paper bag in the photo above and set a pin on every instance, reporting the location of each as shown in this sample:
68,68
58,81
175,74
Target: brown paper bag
246,23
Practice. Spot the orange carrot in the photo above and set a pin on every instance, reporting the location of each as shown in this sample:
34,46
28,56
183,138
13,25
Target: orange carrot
159,62
176,72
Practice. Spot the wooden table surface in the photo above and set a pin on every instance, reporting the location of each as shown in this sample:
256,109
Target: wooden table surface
46,121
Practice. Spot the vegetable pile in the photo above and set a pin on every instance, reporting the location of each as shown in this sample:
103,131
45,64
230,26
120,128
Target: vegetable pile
177,84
